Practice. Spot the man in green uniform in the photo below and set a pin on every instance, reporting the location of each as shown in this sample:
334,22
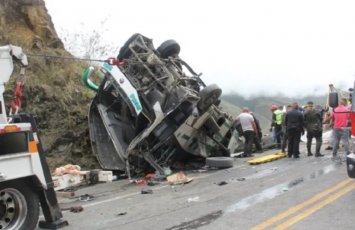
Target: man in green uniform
313,125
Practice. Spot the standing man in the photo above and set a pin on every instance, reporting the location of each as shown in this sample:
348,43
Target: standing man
327,120
340,117
277,123
313,123
258,137
272,128
284,131
249,130
294,129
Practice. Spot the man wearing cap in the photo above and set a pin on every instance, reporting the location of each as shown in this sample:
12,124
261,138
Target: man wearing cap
313,125
249,130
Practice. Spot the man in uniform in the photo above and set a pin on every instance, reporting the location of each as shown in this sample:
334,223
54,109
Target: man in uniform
313,125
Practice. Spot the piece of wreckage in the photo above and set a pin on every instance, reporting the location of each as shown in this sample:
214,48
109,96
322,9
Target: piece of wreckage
149,115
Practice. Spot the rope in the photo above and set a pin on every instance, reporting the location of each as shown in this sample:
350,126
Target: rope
67,58
60,57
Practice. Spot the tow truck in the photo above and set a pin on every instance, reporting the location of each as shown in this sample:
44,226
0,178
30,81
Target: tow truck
25,180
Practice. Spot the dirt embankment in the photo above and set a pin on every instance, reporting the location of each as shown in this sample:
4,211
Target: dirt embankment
53,91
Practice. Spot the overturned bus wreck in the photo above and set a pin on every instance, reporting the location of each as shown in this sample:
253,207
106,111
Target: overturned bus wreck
152,111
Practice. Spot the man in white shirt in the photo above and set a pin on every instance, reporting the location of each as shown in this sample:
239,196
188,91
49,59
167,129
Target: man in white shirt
249,130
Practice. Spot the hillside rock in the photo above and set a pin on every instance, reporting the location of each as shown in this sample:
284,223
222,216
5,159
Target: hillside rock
27,23
53,91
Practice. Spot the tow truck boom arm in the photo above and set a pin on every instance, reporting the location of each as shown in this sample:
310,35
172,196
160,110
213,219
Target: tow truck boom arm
9,54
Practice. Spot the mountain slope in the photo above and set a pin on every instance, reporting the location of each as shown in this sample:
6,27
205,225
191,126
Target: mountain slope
53,91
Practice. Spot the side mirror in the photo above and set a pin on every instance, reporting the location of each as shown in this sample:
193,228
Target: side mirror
333,99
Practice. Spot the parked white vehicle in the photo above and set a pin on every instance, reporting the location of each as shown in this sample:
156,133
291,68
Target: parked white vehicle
25,180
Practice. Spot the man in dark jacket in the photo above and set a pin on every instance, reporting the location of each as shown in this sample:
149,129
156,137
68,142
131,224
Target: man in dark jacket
257,138
285,137
294,129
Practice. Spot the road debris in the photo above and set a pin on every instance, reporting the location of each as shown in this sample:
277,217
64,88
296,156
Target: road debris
67,169
237,154
241,179
193,199
86,197
67,181
138,181
74,209
152,183
146,190
222,183
121,214
178,178
70,176
97,175
65,194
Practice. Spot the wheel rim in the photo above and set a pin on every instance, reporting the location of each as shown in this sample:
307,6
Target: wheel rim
13,208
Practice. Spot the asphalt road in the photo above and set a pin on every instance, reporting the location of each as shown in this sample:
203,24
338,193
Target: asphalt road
305,193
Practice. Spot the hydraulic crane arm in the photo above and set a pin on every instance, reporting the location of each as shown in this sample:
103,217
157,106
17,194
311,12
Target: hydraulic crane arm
9,54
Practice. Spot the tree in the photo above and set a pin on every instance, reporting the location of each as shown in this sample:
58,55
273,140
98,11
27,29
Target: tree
89,43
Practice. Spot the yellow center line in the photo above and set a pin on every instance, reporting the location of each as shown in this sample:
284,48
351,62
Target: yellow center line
300,206
314,208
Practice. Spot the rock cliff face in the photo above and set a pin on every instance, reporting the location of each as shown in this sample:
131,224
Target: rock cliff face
53,91
27,23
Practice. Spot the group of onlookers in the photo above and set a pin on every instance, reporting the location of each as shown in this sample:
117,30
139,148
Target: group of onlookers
288,127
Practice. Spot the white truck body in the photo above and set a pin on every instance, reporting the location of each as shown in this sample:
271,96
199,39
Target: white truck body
25,180
21,164
24,163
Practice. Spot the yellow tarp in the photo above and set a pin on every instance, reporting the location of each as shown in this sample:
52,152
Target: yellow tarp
268,158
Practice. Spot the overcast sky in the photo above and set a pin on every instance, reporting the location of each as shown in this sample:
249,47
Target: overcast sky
247,46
